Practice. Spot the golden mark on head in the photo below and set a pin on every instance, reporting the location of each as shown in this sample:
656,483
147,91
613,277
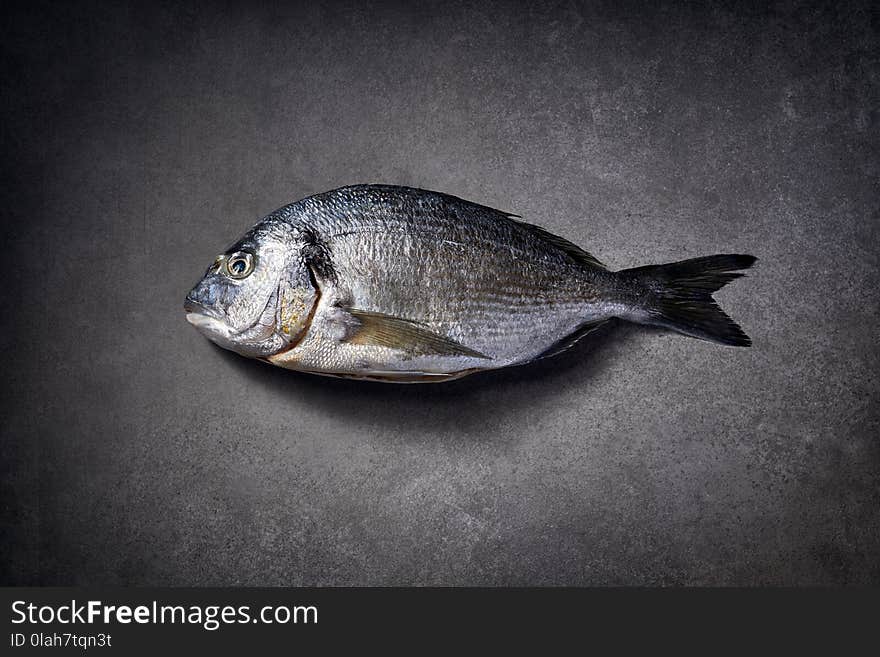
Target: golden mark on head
288,320
290,313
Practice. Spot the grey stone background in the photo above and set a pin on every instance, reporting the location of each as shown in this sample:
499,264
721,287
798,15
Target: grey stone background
141,139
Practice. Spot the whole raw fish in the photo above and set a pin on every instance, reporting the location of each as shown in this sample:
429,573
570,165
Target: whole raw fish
407,285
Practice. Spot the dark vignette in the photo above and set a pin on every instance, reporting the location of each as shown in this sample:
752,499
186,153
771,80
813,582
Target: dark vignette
141,138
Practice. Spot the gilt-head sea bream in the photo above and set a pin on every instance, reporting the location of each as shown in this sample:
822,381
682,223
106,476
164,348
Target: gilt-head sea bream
406,285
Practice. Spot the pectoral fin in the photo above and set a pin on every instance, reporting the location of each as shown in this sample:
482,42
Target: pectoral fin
411,337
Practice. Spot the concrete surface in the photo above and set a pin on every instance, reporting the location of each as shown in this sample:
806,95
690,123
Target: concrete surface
141,140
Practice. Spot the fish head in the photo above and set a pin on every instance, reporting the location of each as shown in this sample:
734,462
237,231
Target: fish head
255,297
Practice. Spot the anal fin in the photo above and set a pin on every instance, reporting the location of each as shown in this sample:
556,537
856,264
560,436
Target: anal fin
402,376
569,340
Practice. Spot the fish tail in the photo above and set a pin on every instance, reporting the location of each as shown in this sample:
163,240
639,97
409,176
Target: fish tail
678,296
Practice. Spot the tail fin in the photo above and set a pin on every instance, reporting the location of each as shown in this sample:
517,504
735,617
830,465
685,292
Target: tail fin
678,296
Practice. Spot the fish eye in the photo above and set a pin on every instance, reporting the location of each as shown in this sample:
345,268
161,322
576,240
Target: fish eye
240,264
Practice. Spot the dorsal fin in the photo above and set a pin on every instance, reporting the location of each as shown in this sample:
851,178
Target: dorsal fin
573,250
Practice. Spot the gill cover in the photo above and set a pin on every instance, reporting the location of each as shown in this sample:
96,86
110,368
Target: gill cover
297,299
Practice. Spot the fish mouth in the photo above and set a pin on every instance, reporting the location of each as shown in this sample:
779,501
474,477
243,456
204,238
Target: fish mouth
205,319
204,322
214,325
193,307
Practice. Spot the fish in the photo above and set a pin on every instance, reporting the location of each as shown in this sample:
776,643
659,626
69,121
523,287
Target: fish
405,285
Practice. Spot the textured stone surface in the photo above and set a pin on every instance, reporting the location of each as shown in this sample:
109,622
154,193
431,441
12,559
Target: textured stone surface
139,142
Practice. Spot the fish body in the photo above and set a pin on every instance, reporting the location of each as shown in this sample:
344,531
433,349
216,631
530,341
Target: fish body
406,285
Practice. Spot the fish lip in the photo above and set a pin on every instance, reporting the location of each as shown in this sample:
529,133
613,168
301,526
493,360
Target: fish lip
205,319
204,322
191,306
